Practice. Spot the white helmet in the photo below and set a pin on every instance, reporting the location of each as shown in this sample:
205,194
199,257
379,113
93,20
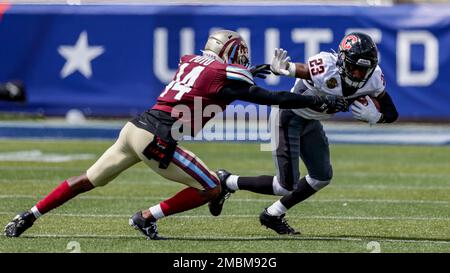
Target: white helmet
228,46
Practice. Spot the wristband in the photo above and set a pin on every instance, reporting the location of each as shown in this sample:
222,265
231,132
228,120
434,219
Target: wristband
292,69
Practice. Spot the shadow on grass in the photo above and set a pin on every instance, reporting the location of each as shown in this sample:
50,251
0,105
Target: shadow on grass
314,238
343,237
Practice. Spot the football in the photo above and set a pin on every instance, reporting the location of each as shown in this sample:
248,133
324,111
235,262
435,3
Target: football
363,100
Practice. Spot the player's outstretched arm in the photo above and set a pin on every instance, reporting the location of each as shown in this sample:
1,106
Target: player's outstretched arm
283,99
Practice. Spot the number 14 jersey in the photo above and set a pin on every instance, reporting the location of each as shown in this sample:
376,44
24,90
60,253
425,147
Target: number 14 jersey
195,86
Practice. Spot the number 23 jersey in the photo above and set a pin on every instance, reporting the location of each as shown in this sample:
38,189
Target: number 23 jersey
325,80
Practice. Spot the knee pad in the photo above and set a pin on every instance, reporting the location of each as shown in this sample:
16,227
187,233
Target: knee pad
278,189
317,184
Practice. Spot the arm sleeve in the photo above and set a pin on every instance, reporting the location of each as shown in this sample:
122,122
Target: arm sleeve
387,108
256,94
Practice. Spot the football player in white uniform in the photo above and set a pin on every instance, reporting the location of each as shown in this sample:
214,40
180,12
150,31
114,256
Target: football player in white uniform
351,73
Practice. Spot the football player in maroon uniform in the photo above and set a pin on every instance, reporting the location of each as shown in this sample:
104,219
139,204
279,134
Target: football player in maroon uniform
218,77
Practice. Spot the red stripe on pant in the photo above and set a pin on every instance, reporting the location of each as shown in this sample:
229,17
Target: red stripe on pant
204,170
191,173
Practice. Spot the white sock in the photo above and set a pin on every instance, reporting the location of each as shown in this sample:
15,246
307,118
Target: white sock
276,209
36,212
157,212
232,182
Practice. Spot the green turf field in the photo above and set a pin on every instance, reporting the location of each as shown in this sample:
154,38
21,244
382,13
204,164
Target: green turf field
396,196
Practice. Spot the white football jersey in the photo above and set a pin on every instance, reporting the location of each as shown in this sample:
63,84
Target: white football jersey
327,81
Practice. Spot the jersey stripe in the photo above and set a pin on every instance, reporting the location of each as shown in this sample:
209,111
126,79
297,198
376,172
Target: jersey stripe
236,73
240,71
239,77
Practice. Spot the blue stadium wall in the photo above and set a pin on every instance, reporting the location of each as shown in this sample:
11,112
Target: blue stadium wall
115,60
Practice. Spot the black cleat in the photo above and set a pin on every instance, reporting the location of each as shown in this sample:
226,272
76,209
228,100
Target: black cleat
145,226
216,205
19,224
277,223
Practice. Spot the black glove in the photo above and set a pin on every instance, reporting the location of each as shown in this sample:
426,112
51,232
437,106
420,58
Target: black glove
13,91
260,70
331,102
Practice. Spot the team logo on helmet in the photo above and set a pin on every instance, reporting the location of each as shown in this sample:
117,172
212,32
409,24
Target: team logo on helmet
348,42
332,83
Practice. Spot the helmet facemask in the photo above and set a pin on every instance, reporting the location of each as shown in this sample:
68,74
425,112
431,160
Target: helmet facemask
243,57
355,74
236,52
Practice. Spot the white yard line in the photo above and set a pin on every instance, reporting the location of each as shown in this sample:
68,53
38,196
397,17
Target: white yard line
317,217
398,174
390,201
152,182
55,182
244,238
388,187
250,200
144,170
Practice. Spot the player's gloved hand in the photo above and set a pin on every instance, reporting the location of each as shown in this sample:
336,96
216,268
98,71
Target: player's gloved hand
367,112
280,62
330,102
260,70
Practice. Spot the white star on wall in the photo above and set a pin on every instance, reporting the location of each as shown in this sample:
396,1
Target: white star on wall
79,56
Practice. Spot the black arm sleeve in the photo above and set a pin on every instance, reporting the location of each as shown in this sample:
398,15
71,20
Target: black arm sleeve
256,94
387,108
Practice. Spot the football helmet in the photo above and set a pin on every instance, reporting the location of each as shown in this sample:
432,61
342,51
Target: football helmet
357,59
228,47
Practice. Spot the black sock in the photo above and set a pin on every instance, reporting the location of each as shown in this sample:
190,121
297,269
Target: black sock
303,191
259,184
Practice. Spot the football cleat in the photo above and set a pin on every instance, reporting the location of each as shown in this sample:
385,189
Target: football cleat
276,223
19,224
145,226
216,205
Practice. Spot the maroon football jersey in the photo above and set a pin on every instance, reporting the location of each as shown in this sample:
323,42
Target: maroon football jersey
195,86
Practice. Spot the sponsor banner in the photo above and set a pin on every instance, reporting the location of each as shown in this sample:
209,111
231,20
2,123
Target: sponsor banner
115,60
